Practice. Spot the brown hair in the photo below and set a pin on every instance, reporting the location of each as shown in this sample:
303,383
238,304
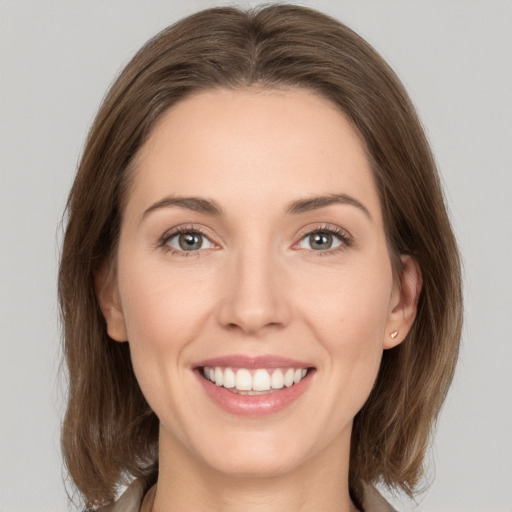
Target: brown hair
109,432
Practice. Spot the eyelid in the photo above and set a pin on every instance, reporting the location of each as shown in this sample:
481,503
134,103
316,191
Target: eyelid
163,241
342,234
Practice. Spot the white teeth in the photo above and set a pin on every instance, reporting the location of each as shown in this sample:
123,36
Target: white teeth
219,376
229,378
243,381
254,381
261,380
277,379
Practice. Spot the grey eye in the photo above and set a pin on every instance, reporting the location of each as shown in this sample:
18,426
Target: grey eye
320,241
190,241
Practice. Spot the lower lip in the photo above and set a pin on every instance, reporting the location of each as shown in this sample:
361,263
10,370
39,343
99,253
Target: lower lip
254,405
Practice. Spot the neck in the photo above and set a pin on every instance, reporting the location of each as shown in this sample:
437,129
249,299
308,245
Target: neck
321,483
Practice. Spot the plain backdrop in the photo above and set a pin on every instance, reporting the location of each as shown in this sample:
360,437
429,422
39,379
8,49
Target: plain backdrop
57,59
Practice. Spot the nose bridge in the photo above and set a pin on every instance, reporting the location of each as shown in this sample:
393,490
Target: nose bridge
254,296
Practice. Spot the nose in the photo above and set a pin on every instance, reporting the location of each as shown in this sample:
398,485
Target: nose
255,295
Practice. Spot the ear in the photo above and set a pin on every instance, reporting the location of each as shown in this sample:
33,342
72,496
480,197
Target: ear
110,305
404,302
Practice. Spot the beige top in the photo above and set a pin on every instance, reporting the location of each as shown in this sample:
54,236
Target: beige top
133,500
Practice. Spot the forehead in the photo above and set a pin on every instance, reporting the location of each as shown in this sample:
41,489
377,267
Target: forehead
250,144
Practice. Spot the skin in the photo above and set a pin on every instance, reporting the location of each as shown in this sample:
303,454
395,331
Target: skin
256,287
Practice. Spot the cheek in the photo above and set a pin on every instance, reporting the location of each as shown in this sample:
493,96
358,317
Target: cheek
166,308
351,303
348,316
162,308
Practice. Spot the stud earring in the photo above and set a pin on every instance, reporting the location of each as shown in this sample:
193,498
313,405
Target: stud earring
393,335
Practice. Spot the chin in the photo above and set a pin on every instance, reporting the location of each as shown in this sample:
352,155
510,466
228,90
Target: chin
263,454
256,463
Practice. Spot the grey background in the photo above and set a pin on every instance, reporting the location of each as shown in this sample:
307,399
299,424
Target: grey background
57,59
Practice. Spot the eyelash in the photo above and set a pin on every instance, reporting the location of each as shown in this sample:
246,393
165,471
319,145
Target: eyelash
343,236
164,241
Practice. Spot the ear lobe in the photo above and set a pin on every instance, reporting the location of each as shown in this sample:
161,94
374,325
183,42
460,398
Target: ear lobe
110,305
405,305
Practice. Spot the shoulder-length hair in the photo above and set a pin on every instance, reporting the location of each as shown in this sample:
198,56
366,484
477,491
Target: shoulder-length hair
109,433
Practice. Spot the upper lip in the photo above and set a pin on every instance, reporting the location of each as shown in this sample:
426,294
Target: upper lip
246,361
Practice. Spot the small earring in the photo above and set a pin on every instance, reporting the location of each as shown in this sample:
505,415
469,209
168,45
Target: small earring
393,335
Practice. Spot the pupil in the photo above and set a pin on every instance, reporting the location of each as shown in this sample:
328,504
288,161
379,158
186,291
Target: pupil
190,241
321,241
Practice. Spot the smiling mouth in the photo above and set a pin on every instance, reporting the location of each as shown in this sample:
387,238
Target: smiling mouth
257,381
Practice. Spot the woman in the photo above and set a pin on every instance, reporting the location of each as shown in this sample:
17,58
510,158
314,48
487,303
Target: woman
260,287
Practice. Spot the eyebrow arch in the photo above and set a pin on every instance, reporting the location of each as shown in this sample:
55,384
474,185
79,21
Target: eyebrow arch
211,207
197,204
314,203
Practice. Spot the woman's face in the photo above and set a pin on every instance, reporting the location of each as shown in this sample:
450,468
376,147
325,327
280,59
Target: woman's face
252,253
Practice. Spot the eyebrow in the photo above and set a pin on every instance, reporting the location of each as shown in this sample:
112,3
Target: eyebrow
317,202
211,207
197,204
